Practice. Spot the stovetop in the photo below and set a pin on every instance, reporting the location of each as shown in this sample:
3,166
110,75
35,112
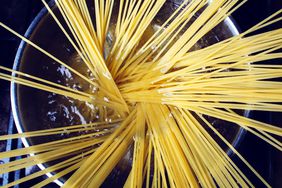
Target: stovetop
18,14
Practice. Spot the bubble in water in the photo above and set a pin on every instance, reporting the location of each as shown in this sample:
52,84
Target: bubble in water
91,106
71,101
52,116
106,99
75,110
49,96
66,112
90,74
94,89
68,49
64,71
51,101
77,86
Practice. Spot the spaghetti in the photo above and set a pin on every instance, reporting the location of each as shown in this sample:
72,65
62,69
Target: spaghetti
162,91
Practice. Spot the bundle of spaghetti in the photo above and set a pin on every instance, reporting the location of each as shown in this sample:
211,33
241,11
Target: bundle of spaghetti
64,129
96,168
72,95
83,9
219,63
162,37
85,44
88,97
212,12
216,12
239,119
75,160
261,134
211,49
190,118
56,145
132,22
198,132
228,143
89,47
68,150
238,38
88,135
201,81
163,91
243,47
204,176
47,53
45,85
103,12
74,148
179,172
217,93
139,157
44,157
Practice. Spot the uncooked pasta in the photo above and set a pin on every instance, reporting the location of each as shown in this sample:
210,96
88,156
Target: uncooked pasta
162,92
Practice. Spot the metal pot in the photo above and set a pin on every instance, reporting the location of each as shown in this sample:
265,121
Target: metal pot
30,106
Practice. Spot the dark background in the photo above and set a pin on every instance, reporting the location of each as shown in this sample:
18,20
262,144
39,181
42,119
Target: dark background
18,14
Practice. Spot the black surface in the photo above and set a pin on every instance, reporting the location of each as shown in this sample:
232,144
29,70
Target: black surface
18,14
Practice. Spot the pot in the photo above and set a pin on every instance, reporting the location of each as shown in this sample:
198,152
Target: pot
34,109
